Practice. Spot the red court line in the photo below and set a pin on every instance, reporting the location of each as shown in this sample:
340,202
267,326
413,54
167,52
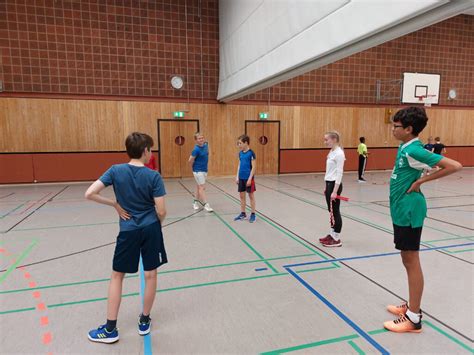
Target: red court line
47,337
31,205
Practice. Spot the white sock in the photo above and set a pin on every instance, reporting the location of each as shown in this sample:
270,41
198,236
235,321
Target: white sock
336,236
414,317
332,233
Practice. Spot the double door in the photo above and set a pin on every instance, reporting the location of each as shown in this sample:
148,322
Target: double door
265,142
176,142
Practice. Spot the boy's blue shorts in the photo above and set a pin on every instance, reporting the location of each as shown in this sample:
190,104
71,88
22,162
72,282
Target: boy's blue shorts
147,241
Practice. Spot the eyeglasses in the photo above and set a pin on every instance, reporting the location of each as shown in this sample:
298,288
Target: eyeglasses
396,126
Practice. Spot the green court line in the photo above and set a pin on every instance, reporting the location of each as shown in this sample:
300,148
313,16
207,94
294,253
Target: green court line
356,347
320,343
22,256
444,239
459,251
160,273
96,224
63,304
432,244
356,336
13,210
285,232
245,242
449,336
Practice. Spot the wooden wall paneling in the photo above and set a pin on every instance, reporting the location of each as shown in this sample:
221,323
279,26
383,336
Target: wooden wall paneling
170,153
187,130
271,149
255,131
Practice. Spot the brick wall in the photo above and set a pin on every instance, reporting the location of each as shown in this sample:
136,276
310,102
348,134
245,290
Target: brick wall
133,48
119,47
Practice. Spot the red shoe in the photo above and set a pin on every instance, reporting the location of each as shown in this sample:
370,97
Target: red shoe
324,238
330,243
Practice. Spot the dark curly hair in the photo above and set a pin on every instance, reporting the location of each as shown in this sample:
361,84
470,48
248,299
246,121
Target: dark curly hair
412,116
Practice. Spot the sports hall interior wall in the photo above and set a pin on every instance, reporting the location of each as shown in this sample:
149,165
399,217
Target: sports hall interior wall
78,76
94,132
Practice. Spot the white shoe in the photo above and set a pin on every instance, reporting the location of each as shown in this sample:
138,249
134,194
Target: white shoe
362,181
208,208
196,205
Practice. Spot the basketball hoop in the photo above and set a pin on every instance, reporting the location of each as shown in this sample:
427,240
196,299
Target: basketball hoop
427,100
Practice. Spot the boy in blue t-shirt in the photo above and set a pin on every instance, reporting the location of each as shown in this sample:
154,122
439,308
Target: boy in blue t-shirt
141,207
245,177
199,159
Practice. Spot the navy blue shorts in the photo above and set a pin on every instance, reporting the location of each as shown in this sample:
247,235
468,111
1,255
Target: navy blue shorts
244,188
147,241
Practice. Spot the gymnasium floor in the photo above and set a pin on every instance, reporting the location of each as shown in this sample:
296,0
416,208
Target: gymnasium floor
226,288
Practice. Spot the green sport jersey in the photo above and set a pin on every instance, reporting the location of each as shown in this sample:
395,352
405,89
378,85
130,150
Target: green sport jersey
362,149
409,209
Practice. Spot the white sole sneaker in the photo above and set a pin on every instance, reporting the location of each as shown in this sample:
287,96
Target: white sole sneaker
208,208
105,340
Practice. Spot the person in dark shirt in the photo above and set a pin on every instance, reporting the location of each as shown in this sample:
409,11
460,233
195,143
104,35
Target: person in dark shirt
429,146
438,147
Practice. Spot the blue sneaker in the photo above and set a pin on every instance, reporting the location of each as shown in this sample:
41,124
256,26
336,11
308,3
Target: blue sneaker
101,335
252,218
240,217
144,328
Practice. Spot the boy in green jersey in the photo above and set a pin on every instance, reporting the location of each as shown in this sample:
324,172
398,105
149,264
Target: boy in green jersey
408,208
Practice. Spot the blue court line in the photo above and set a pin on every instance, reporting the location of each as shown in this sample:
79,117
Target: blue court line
341,315
146,338
333,308
374,255
261,269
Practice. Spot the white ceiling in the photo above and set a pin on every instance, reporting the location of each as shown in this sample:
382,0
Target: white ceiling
264,42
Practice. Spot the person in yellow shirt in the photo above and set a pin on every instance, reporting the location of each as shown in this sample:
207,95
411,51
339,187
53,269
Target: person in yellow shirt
363,154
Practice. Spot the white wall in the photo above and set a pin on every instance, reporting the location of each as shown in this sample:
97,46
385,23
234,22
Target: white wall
263,42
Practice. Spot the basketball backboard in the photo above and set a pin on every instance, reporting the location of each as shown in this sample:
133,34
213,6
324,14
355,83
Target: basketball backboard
420,88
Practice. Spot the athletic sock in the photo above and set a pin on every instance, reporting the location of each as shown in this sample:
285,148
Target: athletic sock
336,236
414,317
144,318
332,233
110,325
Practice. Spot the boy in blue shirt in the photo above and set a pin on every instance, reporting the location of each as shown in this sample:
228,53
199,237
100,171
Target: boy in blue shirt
199,159
141,207
245,177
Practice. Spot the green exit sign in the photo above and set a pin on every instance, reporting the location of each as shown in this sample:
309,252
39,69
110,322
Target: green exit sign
263,115
178,114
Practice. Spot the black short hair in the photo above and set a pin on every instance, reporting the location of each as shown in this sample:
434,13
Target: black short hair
136,143
362,139
244,139
412,116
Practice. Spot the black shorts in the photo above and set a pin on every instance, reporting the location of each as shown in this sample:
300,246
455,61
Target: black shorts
407,238
147,241
244,188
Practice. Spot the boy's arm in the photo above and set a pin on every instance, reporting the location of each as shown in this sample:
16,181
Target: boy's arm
252,172
237,175
448,167
191,159
160,208
93,194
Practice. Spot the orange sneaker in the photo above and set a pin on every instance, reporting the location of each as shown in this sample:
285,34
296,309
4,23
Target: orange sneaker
397,310
403,325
